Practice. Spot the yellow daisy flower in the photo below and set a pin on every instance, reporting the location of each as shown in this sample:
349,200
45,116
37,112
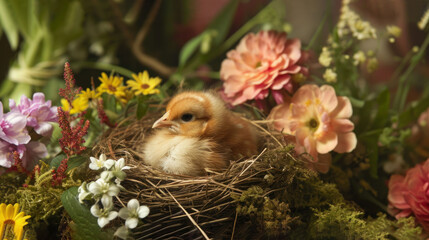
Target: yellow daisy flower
142,84
65,105
9,217
83,101
127,97
111,85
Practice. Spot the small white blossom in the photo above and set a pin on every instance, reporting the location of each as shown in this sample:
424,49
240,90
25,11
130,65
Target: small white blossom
330,76
104,215
132,213
83,192
359,57
122,232
106,189
101,162
325,58
116,170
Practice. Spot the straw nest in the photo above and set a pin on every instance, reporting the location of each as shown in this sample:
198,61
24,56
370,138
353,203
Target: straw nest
183,207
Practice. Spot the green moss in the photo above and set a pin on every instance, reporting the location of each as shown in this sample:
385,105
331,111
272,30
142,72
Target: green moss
344,222
272,216
9,184
339,177
39,198
295,184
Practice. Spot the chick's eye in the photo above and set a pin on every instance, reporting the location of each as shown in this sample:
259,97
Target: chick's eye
187,117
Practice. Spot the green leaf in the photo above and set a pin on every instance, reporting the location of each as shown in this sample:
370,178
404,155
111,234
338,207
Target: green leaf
223,22
109,102
76,161
371,144
85,224
216,31
365,116
23,13
142,106
8,24
412,113
382,115
56,161
356,102
189,48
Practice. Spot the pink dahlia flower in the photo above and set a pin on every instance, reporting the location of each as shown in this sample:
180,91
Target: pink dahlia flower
318,119
38,111
12,127
261,62
410,194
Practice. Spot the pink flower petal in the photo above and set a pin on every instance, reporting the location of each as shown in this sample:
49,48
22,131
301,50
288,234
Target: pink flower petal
328,98
342,125
228,69
327,143
346,142
293,49
344,108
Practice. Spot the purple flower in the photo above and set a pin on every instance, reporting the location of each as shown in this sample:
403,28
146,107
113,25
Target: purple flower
28,153
34,152
6,153
39,113
12,127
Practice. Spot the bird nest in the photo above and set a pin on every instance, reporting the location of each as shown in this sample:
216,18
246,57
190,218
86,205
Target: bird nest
184,207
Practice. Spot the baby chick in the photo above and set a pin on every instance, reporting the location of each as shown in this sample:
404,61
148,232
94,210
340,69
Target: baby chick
198,132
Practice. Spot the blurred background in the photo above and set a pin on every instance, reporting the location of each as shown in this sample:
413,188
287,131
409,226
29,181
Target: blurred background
38,37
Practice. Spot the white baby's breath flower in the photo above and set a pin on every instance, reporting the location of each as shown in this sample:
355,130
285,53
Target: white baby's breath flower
104,215
330,76
424,20
325,58
132,213
350,22
359,57
394,30
83,192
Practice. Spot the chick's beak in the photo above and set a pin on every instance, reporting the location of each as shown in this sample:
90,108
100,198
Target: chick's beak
163,121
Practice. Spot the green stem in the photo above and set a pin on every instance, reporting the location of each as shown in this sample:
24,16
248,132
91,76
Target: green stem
107,67
230,41
33,49
317,33
401,95
401,66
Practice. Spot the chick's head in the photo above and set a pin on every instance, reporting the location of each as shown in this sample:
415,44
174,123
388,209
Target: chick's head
193,114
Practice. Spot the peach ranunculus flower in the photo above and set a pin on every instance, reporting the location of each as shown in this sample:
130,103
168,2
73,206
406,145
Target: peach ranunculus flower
318,119
261,62
410,194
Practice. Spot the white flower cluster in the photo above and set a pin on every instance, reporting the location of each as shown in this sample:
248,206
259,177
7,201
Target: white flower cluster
107,186
351,22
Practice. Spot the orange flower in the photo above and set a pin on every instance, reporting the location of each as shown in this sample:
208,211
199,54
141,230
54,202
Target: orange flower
318,120
261,63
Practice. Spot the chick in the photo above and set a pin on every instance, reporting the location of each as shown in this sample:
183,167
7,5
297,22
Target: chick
197,132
